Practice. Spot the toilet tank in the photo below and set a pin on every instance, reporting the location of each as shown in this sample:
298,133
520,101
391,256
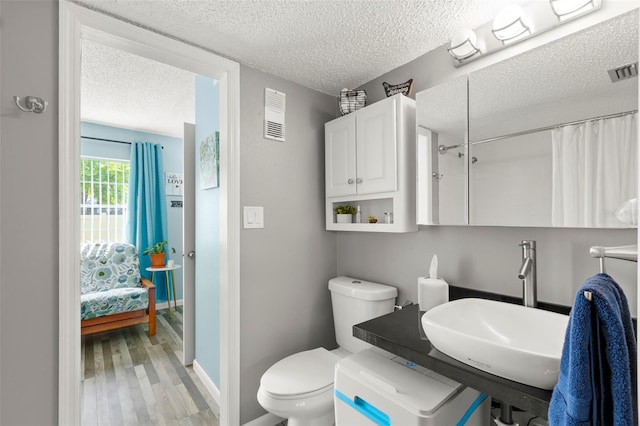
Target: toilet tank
355,301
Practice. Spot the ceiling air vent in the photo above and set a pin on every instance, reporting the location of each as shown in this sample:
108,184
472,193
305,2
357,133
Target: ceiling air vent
623,72
274,107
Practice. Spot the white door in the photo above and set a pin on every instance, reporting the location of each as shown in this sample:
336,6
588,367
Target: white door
376,148
189,245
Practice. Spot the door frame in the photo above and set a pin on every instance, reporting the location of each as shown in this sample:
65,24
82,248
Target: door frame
76,23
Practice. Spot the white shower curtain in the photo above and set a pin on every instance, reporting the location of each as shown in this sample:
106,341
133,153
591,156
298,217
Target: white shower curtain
594,171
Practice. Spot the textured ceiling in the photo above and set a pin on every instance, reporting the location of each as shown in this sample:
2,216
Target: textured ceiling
325,45
122,89
322,44
558,82
331,44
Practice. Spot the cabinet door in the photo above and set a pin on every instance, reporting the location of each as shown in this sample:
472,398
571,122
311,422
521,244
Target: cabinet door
376,147
340,157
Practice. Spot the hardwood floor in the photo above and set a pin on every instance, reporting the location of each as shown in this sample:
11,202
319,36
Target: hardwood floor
129,378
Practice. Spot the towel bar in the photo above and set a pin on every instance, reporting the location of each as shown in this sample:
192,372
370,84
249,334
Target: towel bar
629,253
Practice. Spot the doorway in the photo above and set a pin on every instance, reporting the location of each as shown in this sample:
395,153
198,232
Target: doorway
127,98
76,24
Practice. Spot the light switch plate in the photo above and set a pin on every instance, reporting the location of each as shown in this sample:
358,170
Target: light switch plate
253,217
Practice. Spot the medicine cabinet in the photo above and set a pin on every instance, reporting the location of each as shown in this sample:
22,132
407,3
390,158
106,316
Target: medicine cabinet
547,138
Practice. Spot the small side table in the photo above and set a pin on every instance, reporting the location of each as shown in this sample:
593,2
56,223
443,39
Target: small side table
167,283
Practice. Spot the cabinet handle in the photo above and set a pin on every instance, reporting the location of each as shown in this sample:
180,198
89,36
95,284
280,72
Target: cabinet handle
350,181
359,180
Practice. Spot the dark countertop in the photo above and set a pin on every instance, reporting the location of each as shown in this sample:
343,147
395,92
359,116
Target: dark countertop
400,333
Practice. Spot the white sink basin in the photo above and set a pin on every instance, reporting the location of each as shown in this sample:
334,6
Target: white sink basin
511,341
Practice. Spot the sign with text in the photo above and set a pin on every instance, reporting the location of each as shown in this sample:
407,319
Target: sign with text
174,183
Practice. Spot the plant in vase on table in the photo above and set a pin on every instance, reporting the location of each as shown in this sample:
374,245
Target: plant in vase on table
344,213
157,253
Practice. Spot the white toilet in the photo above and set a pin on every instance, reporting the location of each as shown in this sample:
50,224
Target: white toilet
300,386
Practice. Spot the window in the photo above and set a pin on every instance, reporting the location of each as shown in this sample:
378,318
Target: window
104,187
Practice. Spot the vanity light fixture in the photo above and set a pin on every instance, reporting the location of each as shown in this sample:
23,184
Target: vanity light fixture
514,24
566,9
464,44
510,24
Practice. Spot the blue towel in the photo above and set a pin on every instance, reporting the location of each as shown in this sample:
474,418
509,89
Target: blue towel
597,383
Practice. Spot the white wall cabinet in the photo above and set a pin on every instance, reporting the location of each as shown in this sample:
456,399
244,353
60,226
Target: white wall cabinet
361,151
369,162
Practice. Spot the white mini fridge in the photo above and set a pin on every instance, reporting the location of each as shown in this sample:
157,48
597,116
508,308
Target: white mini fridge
373,390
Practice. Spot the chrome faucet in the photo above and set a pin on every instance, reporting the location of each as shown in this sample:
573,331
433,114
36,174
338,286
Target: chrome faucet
527,274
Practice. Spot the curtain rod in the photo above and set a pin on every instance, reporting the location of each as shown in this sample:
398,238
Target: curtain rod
108,140
104,140
555,126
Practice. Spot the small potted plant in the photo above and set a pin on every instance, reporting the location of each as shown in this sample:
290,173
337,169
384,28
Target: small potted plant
157,253
372,219
344,213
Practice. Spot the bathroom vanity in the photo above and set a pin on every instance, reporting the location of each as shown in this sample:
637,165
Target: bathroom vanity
400,333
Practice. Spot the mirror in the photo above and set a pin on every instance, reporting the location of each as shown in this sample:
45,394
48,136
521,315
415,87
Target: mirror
552,140
534,167
441,143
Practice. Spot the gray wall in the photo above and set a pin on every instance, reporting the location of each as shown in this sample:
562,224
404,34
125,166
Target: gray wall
485,258
285,304
285,267
428,70
28,215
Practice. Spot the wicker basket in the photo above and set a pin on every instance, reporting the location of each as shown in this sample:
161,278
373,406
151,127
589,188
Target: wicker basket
351,100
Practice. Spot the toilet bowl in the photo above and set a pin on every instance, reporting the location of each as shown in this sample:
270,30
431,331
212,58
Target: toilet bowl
300,386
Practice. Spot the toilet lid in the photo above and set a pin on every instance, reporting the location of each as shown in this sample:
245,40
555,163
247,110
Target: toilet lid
300,373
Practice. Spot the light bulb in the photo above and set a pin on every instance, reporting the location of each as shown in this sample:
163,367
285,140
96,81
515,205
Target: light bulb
464,44
565,9
510,24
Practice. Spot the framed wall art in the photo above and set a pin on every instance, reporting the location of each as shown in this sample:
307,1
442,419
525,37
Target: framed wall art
210,161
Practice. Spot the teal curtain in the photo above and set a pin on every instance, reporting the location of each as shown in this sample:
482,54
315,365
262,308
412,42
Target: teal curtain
147,207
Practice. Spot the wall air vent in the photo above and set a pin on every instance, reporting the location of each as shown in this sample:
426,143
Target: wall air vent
623,72
274,108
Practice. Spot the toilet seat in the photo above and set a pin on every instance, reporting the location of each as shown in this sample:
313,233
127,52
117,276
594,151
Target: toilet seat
303,374
327,389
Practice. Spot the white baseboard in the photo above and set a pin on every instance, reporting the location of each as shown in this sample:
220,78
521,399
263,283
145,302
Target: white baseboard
266,420
165,305
207,382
